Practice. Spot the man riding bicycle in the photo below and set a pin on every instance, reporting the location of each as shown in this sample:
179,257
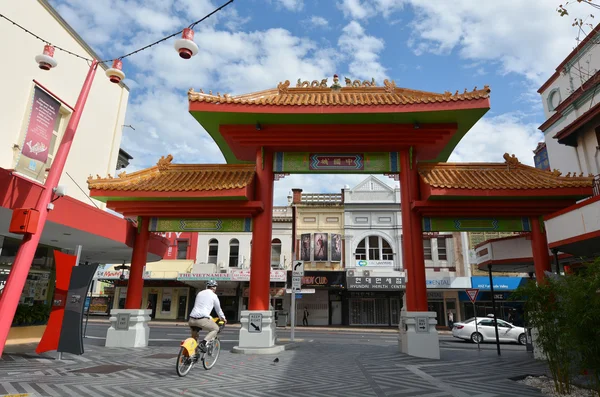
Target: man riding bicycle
200,317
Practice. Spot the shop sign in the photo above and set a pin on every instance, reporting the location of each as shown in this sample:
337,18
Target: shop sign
244,275
116,275
369,263
500,283
273,292
203,276
376,283
320,279
435,295
449,282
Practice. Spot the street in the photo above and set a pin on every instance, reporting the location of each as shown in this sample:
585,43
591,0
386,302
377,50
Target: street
171,335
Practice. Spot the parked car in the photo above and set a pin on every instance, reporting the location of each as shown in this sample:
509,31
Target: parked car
485,331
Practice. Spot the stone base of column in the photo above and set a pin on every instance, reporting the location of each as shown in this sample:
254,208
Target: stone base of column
257,334
128,328
418,336
538,353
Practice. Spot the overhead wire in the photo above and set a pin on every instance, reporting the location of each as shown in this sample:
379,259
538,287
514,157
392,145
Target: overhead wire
191,26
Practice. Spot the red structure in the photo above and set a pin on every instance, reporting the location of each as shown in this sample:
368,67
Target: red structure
357,128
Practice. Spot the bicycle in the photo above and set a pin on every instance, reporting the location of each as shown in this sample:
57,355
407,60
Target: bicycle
188,356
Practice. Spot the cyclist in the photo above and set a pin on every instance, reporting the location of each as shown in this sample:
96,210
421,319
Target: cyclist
200,317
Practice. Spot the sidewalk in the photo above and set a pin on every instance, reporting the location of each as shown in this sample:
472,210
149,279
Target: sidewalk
365,369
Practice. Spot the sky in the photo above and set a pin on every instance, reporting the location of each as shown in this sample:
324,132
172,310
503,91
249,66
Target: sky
513,46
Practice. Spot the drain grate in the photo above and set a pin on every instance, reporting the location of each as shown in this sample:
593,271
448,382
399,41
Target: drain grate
162,355
102,369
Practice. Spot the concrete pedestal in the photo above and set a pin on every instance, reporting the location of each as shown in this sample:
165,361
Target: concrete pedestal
128,328
418,336
257,334
538,353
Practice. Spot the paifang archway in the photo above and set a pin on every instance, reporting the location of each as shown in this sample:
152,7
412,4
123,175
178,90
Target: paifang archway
356,128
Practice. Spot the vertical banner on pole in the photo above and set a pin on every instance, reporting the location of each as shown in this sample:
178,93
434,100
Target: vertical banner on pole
64,264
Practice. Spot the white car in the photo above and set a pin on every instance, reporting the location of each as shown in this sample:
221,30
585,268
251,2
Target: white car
485,331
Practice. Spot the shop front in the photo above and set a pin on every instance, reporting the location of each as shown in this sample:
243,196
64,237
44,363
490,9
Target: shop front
323,305
374,301
507,309
442,298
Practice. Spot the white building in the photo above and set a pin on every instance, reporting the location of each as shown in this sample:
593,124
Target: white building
36,108
226,257
373,234
571,146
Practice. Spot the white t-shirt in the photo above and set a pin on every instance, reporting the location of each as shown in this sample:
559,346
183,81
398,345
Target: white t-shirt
205,302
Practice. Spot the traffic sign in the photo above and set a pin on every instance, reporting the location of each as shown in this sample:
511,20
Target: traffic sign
296,283
298,268
254,322
472,293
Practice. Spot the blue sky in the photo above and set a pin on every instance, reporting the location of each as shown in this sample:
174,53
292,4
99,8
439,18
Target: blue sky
434,45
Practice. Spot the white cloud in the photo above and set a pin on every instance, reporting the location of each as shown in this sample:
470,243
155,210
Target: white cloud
292,5
493,136
356,9
318,22
363,51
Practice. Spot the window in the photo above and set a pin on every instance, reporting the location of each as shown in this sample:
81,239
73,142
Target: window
213,251
234,252
387,252
427,249
374,248
275,252
442,249
361,251
182,249
487,323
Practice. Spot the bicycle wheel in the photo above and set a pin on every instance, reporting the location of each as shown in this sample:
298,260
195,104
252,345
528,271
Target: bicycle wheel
184,362
209,359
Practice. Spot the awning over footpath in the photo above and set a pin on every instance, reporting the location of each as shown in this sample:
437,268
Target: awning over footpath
105,238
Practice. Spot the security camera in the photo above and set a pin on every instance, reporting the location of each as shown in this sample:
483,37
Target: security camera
60,190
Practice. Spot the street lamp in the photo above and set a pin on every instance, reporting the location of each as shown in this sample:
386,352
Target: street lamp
122,268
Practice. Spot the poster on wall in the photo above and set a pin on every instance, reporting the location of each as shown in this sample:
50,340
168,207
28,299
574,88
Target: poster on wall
305,247
166,301
321,247
336,247
45,111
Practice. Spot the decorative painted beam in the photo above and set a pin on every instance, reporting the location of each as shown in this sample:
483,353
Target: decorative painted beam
217,225
338,163
472,224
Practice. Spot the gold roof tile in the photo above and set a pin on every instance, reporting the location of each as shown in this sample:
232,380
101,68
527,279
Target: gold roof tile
355,93
511,175
167,177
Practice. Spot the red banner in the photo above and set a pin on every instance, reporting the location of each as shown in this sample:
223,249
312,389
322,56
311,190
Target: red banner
64,264
44,112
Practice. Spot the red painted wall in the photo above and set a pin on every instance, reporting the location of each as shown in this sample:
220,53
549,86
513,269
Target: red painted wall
174,237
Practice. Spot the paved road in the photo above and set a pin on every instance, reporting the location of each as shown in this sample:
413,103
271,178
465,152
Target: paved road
325,363
169,335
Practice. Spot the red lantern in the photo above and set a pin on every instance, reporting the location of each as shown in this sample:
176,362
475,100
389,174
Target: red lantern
115,74
46,60
185,45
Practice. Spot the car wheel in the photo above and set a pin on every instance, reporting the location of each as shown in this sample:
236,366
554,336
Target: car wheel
476,337
522,339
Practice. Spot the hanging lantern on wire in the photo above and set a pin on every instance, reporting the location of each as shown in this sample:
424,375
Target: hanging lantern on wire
46,60
115,74
185,45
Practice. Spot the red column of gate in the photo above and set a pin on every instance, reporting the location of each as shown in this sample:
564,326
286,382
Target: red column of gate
419,277
138,261
539,246
261,233
407,240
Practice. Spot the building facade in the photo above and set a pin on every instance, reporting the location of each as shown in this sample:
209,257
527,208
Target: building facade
35,112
